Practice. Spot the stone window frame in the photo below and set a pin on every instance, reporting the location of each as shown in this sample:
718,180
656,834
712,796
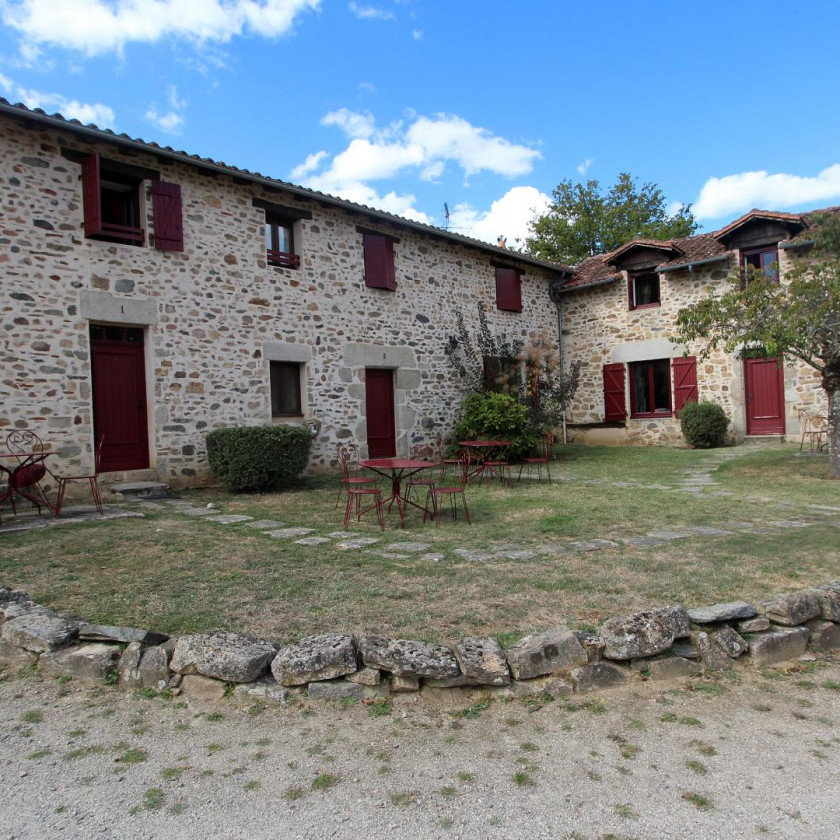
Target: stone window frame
650,364
632,295
279,393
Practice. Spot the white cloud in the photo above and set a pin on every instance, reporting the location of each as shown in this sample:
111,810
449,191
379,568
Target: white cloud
508,216
311,163
366,87
352,123
583,168
370,12
171,121
737,193
85,112
95,27
417,34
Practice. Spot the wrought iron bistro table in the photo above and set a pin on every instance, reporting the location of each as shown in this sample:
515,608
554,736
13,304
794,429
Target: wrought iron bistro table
487,452
397,470
24,478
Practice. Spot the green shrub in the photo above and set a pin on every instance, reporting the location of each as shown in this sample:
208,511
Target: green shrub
487,415
258,457
703,425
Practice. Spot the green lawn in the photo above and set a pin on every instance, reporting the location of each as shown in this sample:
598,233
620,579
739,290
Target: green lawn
176,573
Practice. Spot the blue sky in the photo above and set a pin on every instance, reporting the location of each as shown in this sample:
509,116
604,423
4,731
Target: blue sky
409,104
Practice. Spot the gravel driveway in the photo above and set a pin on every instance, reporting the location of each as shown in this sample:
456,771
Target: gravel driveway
757,755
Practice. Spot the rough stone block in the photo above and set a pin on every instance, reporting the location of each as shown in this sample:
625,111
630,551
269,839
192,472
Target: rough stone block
593,645
125,635
203,688
88,662
546,653
404,684
598,675
554,687
639,635
824,635
128,667
792,608
675,617
365,676
341,690
753,625
667,668
730,642
264,690
154,668
322,657
40,632
829,600
778,645
408,658
13,657
712,657
716,613
482,661
222,656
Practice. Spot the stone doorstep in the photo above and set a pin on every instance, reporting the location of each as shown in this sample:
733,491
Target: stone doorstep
140,489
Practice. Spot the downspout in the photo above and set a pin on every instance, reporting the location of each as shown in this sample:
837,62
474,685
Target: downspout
554,294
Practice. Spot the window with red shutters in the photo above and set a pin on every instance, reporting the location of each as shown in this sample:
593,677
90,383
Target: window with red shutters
508,289
379,262
615,408
169,225
650,388
111,202
685,382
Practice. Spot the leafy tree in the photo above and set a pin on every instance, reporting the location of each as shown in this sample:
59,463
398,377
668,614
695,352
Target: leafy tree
796,319
584,221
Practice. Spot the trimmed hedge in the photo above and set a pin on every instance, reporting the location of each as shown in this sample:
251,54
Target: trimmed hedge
257,458
703,425
487,415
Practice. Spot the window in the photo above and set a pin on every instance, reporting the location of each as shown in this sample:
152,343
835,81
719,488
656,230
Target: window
764,259
112,205
285,389
650,388
508,289
379,262
643,290
280,241
500,374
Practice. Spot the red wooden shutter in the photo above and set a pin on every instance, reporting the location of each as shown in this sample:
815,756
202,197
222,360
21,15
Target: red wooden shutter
614,401
508,289
169,226
379,262
685,381
91,198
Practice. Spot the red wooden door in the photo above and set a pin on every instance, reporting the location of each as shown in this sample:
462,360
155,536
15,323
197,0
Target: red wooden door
119,396
379,401
765,391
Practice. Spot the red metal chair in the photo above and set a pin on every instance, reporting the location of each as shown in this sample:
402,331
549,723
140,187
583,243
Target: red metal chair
25,479
348,460
420,452
544,458
443,461
355,494
93,479
453,492
498,466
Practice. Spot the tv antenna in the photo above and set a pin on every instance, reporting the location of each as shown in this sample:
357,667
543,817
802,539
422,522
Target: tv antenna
446,224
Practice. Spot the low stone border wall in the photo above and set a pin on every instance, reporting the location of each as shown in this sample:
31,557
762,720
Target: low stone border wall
665,643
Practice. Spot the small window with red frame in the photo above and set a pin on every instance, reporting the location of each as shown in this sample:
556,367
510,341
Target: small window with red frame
643,290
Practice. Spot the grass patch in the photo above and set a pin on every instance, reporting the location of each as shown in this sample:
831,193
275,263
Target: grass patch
32,716
112,573
523,779
133,756
153,799
324,781
699,801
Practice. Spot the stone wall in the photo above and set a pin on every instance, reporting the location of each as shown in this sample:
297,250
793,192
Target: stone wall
664,643
215,314
599,328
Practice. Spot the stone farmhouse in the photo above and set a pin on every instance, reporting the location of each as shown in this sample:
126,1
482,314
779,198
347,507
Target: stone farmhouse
619,313
150,295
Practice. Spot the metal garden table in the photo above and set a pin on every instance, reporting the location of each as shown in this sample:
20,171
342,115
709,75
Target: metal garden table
397,470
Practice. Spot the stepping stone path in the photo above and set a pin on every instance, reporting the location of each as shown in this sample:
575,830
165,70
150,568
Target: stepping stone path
266,524
289,533
313,541
229,519
408,546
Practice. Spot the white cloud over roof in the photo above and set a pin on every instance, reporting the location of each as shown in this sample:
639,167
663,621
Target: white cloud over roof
85,112
733,194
